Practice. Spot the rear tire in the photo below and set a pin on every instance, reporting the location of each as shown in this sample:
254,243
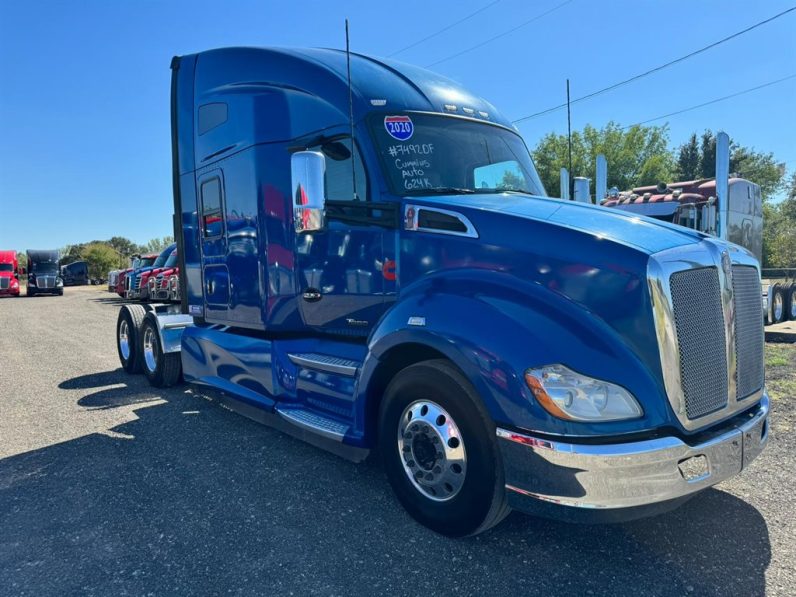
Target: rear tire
445,466
791,302
778,312
128,329
162,369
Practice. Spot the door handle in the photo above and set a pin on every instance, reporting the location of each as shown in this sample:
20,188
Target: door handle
312,295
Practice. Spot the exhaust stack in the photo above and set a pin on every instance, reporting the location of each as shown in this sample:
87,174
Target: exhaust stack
582,194
723,182
564,184
601,183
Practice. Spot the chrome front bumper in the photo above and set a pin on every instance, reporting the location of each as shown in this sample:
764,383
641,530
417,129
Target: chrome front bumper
626,477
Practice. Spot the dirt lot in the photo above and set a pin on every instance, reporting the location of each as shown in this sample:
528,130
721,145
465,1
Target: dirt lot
109,487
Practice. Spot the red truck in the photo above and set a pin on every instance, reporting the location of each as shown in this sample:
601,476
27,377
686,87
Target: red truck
9,273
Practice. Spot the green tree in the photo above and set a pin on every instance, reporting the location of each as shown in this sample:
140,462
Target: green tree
101,258
156,245
707,158
636,156
688,167
125,246
760,168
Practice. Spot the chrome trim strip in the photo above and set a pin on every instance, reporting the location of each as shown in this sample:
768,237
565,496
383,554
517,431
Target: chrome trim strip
661,266
314,362
628,474
411,221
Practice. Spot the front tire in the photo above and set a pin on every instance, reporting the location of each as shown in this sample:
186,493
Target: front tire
29,292
162,369
440,452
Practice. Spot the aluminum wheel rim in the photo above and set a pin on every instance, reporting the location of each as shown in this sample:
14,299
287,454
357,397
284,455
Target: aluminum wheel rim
778,307
124,340
149,350
431,449
793,305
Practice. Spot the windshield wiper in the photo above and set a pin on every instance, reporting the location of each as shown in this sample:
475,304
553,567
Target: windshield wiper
497,191
442,191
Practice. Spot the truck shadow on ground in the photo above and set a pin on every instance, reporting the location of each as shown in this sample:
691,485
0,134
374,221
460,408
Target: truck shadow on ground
192,498
112,299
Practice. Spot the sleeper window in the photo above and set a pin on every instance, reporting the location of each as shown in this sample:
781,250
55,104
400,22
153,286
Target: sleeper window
212,221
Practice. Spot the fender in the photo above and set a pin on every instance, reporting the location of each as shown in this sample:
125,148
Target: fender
493,327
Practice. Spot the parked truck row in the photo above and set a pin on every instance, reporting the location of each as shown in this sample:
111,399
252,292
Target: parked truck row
42,273
153,277
355,270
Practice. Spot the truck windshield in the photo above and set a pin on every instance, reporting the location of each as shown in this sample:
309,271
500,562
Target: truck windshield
172,260
44,267
424,154
6,267
161,259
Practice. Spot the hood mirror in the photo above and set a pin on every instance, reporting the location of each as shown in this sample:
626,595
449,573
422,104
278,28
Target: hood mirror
307,170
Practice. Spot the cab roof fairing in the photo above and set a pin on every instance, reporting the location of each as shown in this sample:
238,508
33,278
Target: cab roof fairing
322,73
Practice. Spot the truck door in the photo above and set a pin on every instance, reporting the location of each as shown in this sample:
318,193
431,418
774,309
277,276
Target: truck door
342,281
215,274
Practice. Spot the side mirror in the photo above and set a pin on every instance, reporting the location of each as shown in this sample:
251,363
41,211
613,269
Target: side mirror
307,170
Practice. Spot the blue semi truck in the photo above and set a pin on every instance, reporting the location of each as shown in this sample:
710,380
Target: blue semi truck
369,261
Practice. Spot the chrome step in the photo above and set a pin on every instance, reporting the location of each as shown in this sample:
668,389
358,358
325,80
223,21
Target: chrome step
325,362
315,423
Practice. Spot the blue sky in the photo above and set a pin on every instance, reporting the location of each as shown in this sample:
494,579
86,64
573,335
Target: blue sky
84,86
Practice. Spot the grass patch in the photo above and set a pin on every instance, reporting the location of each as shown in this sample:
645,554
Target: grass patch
781,370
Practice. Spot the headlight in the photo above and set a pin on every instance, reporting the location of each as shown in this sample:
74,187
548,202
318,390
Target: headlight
569,395
59,282
31,282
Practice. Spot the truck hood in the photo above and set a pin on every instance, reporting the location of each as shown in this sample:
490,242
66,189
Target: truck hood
640,232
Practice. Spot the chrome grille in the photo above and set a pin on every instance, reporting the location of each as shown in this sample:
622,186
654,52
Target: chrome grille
45,281
749,337
699,321
4,283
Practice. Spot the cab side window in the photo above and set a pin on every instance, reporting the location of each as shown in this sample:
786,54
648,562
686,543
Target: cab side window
212,216
339,175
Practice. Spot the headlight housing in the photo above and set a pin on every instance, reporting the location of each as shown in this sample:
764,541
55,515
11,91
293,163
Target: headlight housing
569,395
31,282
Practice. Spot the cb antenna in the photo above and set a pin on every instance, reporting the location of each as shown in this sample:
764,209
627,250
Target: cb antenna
350,109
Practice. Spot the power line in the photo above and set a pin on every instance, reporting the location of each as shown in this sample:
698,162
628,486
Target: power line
657,68
714,101
499,35
444,29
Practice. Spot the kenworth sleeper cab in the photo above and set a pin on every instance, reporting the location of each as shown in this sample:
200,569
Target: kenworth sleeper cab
44,275
372,262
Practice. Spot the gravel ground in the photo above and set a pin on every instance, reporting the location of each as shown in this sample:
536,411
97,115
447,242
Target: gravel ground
109,487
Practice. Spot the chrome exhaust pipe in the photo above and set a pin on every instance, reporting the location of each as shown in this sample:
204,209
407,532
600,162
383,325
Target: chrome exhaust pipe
601,182
564,184
723,182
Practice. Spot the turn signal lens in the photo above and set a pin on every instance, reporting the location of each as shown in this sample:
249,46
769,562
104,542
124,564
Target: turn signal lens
569,395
